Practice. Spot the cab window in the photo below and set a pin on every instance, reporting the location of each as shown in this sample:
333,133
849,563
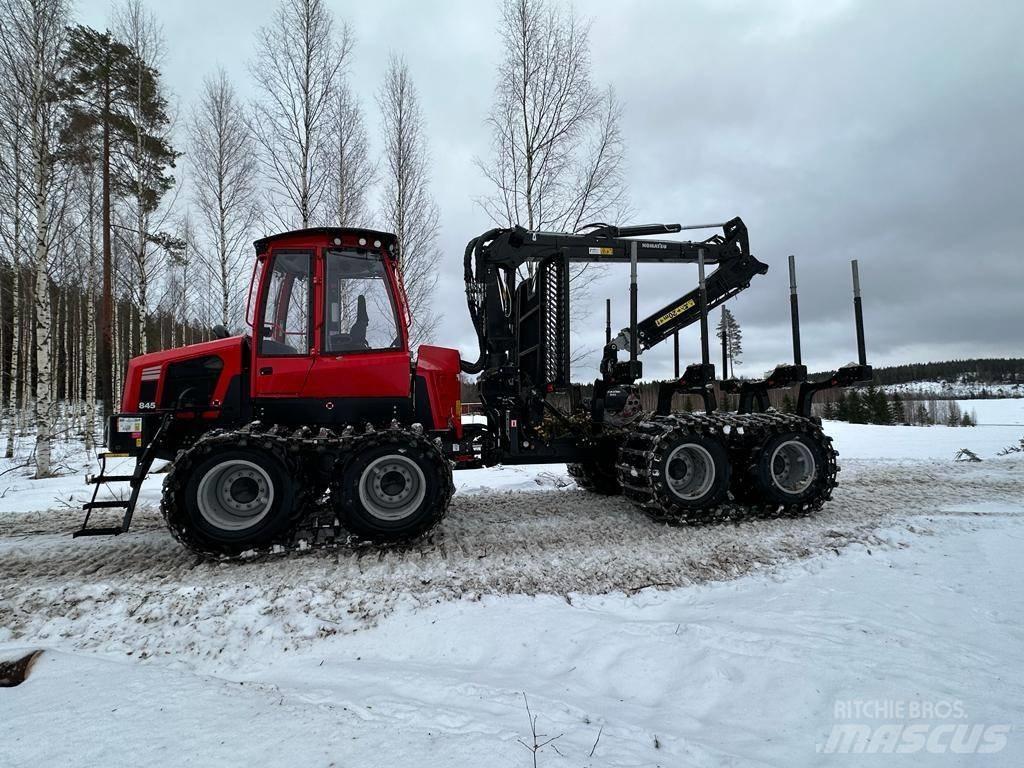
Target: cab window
359,312
285,318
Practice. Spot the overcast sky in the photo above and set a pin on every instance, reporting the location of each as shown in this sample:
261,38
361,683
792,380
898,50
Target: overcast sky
890,132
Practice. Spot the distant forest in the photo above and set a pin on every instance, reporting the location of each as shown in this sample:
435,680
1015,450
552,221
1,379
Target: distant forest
991,370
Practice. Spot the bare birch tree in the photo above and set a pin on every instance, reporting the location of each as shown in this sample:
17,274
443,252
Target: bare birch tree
299,58
31,44
407,207
557,151
347,158
13,230
143,164
90,218
224,184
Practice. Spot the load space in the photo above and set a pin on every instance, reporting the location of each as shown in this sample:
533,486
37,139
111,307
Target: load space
321,425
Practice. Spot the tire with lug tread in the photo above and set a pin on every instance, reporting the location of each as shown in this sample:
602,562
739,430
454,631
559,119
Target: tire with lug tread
691,473
394,485
233,492
790,468
677,471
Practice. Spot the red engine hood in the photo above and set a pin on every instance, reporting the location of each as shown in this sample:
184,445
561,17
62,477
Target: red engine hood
217,346
152,366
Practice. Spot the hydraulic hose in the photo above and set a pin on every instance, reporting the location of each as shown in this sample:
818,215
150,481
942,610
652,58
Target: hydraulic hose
474,302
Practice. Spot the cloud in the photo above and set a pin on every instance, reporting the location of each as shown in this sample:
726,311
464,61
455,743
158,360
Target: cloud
887,132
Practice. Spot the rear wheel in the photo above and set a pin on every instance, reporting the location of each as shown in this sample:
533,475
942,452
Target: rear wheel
692,474
791,469
395,485
224,498
676,469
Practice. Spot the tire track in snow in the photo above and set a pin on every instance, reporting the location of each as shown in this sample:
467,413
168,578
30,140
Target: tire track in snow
141,593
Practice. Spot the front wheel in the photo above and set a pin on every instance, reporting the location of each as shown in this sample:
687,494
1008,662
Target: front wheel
224,499
394,486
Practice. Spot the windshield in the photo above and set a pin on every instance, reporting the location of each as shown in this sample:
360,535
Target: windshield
360,310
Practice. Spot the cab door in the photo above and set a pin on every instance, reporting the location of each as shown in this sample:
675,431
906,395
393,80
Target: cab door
283,329
362,363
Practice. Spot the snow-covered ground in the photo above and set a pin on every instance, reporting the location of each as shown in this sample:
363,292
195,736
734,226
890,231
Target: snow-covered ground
768,642
954,389
995,412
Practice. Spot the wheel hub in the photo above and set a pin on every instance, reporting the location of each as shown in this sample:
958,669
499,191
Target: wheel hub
793,467
690,471
392,487
244,490
235,495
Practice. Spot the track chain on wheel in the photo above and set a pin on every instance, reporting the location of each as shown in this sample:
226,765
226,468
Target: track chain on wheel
411,440
742,435
314,523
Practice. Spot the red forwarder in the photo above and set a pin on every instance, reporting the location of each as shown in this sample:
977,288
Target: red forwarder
322,425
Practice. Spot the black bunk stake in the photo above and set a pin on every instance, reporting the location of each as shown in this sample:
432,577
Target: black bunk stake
858,314
794,310
607,321
675,345
725,346
632,308
705,354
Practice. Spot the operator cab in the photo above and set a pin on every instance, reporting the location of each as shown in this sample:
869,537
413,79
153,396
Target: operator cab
330,335
359,311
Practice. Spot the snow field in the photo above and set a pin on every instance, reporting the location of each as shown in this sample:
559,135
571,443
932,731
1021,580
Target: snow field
706,646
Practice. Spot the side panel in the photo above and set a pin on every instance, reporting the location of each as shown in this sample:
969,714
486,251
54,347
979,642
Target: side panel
147,387
314,412
439,369
360,374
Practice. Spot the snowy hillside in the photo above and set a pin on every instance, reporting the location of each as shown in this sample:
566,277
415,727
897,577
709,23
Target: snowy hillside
954,389
634,644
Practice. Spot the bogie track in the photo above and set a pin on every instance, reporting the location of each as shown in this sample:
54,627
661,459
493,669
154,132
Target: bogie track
690,468
297,516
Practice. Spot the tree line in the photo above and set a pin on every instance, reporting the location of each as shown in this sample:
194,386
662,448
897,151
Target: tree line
874,406
974,370
126,222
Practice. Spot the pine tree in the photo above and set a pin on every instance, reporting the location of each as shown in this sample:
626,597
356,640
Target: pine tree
878,406
954,415
899,415
856,409
842,412
829,411
116,106
922,416
733,339
788,406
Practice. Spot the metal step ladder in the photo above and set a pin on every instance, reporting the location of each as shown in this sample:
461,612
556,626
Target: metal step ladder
143,462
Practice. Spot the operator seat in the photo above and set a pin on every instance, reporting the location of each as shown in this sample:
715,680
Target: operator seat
357,333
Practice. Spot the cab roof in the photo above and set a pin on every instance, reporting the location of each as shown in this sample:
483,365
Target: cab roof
349,236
